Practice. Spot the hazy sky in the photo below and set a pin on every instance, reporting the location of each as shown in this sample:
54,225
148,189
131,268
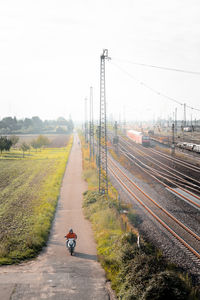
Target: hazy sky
50,56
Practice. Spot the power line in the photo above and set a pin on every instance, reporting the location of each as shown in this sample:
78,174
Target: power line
152,89
158,67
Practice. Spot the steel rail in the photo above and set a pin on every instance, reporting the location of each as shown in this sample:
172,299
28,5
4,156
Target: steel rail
167,186
157,162
198,182
158,173
178,161
154,215
158,205
190,184
179,184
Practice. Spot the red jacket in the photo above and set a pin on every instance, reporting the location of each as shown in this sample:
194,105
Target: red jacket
71,236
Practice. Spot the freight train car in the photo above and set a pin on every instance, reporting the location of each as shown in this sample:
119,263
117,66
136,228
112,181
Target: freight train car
189,146
138,137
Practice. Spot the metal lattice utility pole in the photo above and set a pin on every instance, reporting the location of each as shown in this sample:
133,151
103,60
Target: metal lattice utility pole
98,141
103,171
91,129
86,122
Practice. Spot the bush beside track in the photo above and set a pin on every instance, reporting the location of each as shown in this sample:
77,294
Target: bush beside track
135,272
29,190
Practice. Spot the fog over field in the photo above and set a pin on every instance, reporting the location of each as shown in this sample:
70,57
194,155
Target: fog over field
50,52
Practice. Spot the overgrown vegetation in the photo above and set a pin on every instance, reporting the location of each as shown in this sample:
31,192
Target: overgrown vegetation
9,125
29,191
136,270
7,142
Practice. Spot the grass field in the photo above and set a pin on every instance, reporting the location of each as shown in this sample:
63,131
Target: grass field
29,190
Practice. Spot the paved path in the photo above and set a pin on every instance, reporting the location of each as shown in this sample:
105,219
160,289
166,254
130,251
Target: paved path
55,274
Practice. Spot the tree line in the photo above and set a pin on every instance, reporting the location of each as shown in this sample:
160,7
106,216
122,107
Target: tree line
6,143
9,125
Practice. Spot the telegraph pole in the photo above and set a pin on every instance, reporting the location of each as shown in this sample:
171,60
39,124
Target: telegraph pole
102,157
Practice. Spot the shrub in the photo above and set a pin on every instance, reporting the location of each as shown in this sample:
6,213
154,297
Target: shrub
90,197
164,286
134,219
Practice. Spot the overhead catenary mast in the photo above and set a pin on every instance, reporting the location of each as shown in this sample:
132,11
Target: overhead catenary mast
102,155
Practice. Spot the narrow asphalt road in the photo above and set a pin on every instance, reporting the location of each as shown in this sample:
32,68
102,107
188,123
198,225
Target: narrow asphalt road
55,274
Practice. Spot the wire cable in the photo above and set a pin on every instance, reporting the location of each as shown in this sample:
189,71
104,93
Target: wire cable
152,89
158,67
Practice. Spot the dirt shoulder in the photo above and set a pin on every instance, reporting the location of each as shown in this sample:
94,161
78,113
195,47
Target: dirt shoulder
55,274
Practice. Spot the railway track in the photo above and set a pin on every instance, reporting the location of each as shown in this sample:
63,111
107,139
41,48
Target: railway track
175,184
163,170
155,175
148,152
188,238
189,166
